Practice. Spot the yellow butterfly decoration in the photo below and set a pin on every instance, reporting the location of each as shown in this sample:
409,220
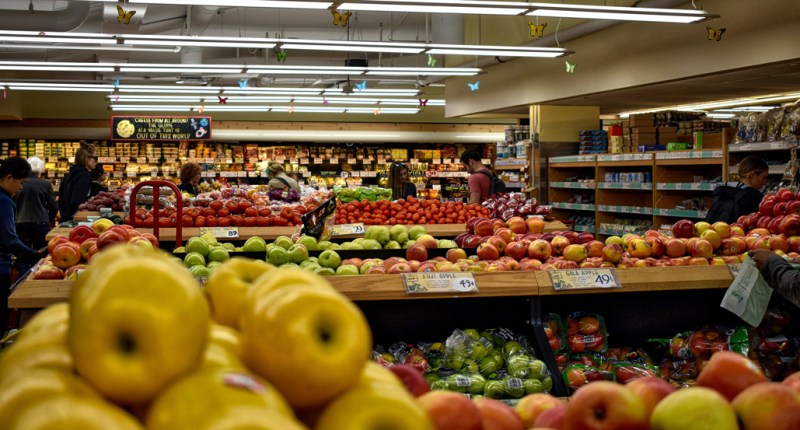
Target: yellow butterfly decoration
123,16
537,30
340,18
714,34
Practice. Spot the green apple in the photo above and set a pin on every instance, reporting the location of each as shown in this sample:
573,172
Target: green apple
229,246
255,244
399,233
470,366
218,253
442,385
333,246
298,253
471,332
200,271
309,242
347,269
325,271
209,239
366,266
487,366
478,351
416,232
358,239
537,369
192,259
380,233
353,245
312,267
454,361
392,244
289,265
446,243
323,245
284,242
238,249
532,386
277,256
179,250
409,243
308,262
514,387
211,265
329,258
494,389
197,245
370,244
477,384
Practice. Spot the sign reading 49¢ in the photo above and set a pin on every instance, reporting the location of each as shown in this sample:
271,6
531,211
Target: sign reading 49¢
573,279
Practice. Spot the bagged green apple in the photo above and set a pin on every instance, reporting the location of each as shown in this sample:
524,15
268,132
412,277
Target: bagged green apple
554,331
625,371
459,349
586,332
511,387
463,383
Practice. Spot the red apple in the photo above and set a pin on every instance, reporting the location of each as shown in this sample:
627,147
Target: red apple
417,252
531,406
472,241
424,267
376,269
498,243
658,245
683,229
48,271
399,268
650,391
585,237
675,248
730,373
767,205
483,227
575,252
516,250
639,248
789,225
784,195
451,411
793,381
605,405
571,236
110,237
66,255
768,406
496,415
80,233
552,418
594,248
535,224
55,241
517,225
412,379
558,244
122,230
793,207
427,241
700,248
487,251
505,234
612,252
540,250
497,223
86,246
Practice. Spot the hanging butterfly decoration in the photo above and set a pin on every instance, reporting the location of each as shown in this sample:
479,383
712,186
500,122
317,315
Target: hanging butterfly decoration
423,102
432,60
123,16
376,111
243,83
222,100
325,101
570,67
281,54
291,108
362,86
474,87
116,83
714,34
201,109
116,98
5,92
340,18
537,30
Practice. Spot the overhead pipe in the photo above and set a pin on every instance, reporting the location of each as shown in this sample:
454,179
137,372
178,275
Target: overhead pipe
72,17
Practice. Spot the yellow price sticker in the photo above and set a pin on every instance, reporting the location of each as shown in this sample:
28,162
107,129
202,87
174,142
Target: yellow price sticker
343,229
579,279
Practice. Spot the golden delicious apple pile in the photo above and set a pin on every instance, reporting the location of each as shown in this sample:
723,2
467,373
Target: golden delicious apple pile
141,345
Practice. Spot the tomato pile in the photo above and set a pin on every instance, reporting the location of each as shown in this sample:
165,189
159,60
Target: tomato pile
238,212
408,211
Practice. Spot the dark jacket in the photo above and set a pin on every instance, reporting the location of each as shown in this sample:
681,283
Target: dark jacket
745,201
409,190
783,278
9,242
187,187
36,202
95,188
74,190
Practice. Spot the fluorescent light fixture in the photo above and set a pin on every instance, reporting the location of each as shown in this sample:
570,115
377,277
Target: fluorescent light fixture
277,109
283,4
495,51
242,100
720,115
730,103
351,45
421,71
444,6
682,16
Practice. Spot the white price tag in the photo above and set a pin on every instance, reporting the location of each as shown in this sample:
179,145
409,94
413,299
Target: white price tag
121,159
413,161
304,161
221,232
141,160
318,161
437,161
574,279
351,161
334,160
439,282
131,174
343,229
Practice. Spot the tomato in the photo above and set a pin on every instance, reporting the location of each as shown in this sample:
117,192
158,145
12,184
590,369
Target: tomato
211,221
187,221
224,221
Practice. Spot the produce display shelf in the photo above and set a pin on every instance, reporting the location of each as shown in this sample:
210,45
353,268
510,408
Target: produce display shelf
686,186
762,146
625,186
583,228
84,215
687,155
625,209
37,294
270,233
774,169
510,167
574,206
619,232
689,162
681,213
516,185
624,157
573,185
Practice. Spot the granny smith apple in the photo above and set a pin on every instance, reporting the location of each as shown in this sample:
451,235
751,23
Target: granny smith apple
446,243
289,265
494,389
380,233
323,245
416,231
392,244
200,271
283,241
179,250
366,266
209,239
277,256
218,253
409,243
255,244
399,233
325,271
330,259
211,265
298,253
532,386
197,245
309,242
238,249
229,246
371,244
311,267
347,269
194,259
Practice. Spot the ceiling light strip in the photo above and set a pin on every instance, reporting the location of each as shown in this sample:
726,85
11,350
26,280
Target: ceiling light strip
295,109
274,99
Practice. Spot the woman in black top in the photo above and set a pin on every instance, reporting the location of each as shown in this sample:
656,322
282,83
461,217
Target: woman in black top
99,176
77,185
190,178
399,183
732,199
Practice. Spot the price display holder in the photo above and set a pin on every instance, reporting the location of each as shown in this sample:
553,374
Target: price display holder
439,282
343,229
582,279
221,232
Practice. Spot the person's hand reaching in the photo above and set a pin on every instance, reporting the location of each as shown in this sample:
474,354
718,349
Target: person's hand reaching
760,256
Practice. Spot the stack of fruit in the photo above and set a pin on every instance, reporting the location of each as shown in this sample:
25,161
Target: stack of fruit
204,253
67,255
104,199
508,205
141,345
778,212
370,194
408,211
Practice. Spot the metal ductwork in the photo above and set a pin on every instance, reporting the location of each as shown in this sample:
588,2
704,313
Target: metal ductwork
67,19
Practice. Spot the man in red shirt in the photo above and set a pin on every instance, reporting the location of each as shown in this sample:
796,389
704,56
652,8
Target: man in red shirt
480,178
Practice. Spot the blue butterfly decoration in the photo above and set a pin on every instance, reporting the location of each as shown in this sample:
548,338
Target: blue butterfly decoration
243,83
116,83
475,86
362,86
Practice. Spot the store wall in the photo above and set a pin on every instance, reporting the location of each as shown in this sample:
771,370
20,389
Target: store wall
637,54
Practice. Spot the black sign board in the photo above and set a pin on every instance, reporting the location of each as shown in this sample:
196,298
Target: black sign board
139,128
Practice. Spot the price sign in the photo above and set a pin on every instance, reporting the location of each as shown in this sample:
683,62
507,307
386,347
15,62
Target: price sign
414,161
351,161
578,279
334,160
342,229
304,161
439,282
437,161
221,232
318,161
124,159
141,160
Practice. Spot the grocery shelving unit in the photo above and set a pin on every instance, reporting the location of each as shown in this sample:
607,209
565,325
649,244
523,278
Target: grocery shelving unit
629,200
564,191
776,154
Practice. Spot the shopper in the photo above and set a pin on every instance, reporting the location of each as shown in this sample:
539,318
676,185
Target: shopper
77,185
399,183
480,177
190,178
99,177
13,173
734,199
36,207
778,273
279,179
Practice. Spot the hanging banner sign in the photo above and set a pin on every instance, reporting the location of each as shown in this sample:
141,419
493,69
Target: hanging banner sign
143,128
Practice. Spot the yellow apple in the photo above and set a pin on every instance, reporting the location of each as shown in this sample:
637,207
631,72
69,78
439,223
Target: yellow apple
138,321
45,349
210,394
35,385
250,418
74,412
100,225
227,288
277,279
373,408
226,337
375,375
52,315
310,341
694,408
223,348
